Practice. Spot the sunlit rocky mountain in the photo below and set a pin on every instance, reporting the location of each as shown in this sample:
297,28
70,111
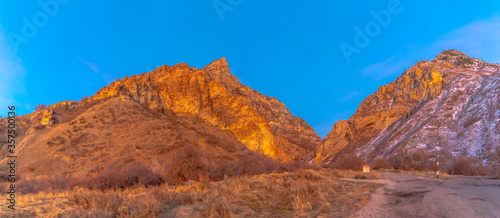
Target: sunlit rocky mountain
448,106
148,118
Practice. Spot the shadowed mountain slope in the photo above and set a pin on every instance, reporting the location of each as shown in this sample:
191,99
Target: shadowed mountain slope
449,106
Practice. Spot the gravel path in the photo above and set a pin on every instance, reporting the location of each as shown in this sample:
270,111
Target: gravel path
406,195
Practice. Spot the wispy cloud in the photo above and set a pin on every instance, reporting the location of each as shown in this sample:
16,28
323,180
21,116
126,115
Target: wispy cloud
95,68
108,77
479,39
350,96
11,75
392,66
91,65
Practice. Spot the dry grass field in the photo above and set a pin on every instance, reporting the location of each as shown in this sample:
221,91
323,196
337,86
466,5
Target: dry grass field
308,193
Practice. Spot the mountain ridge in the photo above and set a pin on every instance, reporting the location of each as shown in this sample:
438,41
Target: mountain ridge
212,93
448,105
410,97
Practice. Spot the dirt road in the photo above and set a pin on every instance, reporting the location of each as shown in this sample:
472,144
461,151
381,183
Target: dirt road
406,195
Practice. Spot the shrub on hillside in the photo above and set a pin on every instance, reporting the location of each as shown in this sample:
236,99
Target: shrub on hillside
469,166
349,162
397,161
4,177
121,177
445,163
252,163
188,163
494,156
185,164
418,160
495,172
40,107
382,163
32,184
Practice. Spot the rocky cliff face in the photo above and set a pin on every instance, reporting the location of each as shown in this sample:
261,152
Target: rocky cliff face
260,122
448,105
175,116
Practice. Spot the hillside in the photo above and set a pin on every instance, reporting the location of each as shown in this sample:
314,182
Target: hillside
174,118
448,106
260,122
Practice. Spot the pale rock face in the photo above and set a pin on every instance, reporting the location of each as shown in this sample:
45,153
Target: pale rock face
47,118
448,105
341,135
260,122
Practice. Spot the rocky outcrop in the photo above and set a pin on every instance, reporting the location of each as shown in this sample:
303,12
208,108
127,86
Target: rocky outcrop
341,135
426,96
260,122
49,114
459,58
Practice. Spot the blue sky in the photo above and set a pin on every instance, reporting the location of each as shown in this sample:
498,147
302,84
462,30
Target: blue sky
287,49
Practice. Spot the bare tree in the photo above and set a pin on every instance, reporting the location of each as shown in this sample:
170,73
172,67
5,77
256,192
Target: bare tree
40,107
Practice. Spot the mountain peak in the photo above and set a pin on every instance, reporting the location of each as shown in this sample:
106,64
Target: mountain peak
220,61
219,70
451,53
216,97
458,58
218,65
442,106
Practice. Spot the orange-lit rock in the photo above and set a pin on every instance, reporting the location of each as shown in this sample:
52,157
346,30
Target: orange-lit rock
340,136
262,123
48,118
